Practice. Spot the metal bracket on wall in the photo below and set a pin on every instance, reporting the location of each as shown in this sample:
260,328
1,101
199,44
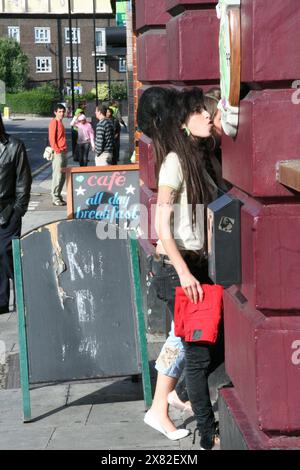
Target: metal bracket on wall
288,173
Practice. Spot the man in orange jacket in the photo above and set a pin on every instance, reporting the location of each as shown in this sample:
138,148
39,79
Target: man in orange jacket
58,143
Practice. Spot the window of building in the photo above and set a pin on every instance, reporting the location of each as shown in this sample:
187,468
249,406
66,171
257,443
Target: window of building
122,64
43,64
76,64
101,65
42,35
14,32
100,40
75,35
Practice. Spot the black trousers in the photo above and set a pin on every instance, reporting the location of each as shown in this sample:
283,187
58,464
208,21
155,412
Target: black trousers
82,151
7,233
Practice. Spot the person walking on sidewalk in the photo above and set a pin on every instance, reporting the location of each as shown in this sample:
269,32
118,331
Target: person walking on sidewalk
58,143
15,185
104,146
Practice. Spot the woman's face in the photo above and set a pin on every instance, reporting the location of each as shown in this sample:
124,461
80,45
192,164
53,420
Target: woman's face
200,124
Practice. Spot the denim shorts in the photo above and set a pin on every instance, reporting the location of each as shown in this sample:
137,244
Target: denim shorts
170,361
165,279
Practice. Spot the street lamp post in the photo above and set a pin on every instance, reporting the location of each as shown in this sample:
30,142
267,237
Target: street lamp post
71,56
95,49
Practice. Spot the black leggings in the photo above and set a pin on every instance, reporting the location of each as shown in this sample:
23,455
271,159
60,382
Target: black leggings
82,151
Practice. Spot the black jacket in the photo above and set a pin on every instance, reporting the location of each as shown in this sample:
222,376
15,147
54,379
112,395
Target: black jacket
15,178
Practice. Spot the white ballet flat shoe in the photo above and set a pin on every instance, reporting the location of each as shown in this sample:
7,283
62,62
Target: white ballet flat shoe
173,436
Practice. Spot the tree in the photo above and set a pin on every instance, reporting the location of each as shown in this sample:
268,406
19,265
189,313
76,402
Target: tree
13,65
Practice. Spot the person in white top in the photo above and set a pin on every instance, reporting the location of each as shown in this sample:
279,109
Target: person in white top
177,123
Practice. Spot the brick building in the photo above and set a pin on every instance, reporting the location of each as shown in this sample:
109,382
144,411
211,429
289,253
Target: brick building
46,41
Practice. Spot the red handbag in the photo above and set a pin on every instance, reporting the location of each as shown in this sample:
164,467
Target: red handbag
198,322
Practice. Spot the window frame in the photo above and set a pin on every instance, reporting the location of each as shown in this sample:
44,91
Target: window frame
124,67
48,58
39,40
101,49
17,28
78,38
77,68
104,64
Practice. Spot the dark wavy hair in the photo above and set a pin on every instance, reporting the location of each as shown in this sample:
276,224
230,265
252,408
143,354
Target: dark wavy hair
161,115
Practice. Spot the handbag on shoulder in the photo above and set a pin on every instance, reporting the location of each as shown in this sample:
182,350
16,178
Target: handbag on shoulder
48,153
199,322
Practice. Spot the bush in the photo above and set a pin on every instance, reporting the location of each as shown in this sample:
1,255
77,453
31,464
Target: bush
39,100
102,91
118,90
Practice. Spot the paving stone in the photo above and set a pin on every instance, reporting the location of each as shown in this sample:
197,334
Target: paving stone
25,438
109,436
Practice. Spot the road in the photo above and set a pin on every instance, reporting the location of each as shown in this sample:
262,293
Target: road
34,133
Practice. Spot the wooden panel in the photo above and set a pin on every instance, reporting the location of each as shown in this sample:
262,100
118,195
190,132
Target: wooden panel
193,40
289,174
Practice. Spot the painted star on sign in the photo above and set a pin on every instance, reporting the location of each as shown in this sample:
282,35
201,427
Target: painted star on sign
130,189
80,191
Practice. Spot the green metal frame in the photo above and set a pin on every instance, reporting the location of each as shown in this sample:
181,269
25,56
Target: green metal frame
24,370
140,321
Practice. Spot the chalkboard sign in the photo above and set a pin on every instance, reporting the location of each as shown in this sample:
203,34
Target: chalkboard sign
81,298
109,193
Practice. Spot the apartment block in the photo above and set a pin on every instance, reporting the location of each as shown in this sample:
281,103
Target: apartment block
46,41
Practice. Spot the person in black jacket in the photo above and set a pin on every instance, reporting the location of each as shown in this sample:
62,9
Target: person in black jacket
15,185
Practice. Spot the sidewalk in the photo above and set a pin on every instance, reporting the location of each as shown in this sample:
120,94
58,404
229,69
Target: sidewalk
98,414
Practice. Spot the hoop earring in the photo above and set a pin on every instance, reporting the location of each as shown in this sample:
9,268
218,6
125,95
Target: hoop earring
187,131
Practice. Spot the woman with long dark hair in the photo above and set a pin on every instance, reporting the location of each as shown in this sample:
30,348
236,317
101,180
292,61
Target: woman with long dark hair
177,123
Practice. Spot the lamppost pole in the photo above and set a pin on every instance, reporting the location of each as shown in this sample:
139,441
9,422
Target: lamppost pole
71,56
95,49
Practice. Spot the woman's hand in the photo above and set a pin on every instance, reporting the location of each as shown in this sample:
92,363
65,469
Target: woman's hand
191,287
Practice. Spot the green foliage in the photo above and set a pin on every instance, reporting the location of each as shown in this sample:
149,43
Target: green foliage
89,96
13,65
39,100
118,90
102,91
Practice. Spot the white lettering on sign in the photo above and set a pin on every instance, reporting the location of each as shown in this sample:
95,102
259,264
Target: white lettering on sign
89,346
296,353
296,94
85,305
71,252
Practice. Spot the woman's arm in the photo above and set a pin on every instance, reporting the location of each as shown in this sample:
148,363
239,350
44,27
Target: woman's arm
164,211
74,121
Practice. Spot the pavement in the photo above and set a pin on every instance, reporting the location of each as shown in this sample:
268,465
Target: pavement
104,414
